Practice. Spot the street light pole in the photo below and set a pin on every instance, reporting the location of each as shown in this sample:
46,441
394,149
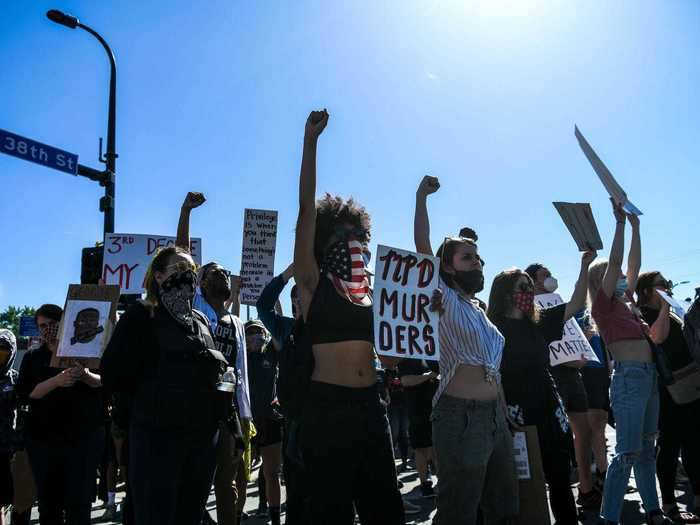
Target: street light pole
106,178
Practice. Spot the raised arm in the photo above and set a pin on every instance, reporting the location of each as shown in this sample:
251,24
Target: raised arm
634,258
305,268
578,298
279,326
614,269
658,331
421,223
192,201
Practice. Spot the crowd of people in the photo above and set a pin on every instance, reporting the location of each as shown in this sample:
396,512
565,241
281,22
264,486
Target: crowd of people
188,396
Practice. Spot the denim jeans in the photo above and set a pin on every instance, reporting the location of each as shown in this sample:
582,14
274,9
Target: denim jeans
635,403
474,451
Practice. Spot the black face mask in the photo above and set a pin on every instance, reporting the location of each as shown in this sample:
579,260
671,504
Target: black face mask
471,281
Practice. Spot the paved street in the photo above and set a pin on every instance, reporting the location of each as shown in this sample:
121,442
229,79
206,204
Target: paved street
633,513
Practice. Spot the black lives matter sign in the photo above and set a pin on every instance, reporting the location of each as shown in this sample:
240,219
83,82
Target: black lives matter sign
404,283
258,255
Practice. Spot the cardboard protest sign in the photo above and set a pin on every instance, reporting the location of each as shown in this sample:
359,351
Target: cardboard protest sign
573,345
611,185
578,218
404,283
86,325
532,494
258,256
127,256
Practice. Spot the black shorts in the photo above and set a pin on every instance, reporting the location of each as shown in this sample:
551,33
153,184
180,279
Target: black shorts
268,431
570,387
596,380
420,432
6,492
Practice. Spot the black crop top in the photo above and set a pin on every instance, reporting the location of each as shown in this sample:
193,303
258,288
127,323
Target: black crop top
333,319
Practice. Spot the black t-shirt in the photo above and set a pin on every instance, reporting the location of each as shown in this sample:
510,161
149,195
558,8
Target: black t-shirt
262,379
225,339
65,412
675,346
419,398
529,388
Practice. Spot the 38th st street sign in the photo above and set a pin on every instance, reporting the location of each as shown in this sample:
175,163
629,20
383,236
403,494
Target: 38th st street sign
33,151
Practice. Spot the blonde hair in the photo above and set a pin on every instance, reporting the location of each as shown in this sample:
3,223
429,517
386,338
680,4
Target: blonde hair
596,272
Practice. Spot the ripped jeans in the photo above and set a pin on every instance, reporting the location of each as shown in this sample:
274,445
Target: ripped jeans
635,403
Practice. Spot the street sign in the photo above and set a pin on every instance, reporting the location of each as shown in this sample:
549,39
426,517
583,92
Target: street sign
33,151
28,327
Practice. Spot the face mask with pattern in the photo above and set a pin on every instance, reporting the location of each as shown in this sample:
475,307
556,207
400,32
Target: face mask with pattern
524,301
345,267
176,294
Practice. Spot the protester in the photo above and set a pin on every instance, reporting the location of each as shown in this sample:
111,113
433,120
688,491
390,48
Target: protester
214,291
569,383
345,439
472,441
64,427
8,414
677,435
262,369
633,390
596,380
162,353
420,384
287,336
529,388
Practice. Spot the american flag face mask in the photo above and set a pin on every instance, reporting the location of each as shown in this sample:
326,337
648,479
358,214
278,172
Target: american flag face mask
345,267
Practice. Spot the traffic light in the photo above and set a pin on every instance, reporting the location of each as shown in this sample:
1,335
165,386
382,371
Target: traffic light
91,265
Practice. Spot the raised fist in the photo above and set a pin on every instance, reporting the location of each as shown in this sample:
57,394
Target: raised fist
428,185
315,124
193,200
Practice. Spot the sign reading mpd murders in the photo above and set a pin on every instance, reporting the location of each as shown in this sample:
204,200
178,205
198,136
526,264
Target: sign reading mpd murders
404,283
127,256
573,345
33,151
258,255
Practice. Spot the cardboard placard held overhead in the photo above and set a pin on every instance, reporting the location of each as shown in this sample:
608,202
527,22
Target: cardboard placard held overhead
611,185
532,493
258,255
573,345
88,318
404,283
578,218
127,256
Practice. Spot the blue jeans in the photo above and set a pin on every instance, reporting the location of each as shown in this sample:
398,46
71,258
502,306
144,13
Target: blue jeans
635,403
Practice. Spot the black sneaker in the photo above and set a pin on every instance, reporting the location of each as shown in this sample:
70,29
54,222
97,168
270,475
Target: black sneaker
590,500
427,490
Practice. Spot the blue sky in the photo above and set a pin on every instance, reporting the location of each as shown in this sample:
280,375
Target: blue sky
483,94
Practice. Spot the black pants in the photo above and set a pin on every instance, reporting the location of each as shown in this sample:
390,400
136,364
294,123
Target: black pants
398,421
170,474
348,457
293,468
556,462
65,473
677,436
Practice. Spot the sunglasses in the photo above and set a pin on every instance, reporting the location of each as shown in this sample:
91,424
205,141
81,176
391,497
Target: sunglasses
360,233
218,269
524,287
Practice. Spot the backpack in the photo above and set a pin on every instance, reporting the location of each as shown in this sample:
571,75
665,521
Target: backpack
691,327
296,364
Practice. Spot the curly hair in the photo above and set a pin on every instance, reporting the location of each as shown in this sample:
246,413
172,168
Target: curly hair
331,211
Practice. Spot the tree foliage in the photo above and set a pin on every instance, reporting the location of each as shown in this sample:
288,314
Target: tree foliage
10,317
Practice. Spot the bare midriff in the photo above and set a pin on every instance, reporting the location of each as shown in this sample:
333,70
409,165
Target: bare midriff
347,363
631,350
469,382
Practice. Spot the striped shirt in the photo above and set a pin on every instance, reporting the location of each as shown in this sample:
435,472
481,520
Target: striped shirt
468,337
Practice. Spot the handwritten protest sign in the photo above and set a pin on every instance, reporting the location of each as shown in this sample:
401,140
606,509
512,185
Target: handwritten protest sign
127,256
611,185
86,325
258,256
404,283
578,218
573,345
